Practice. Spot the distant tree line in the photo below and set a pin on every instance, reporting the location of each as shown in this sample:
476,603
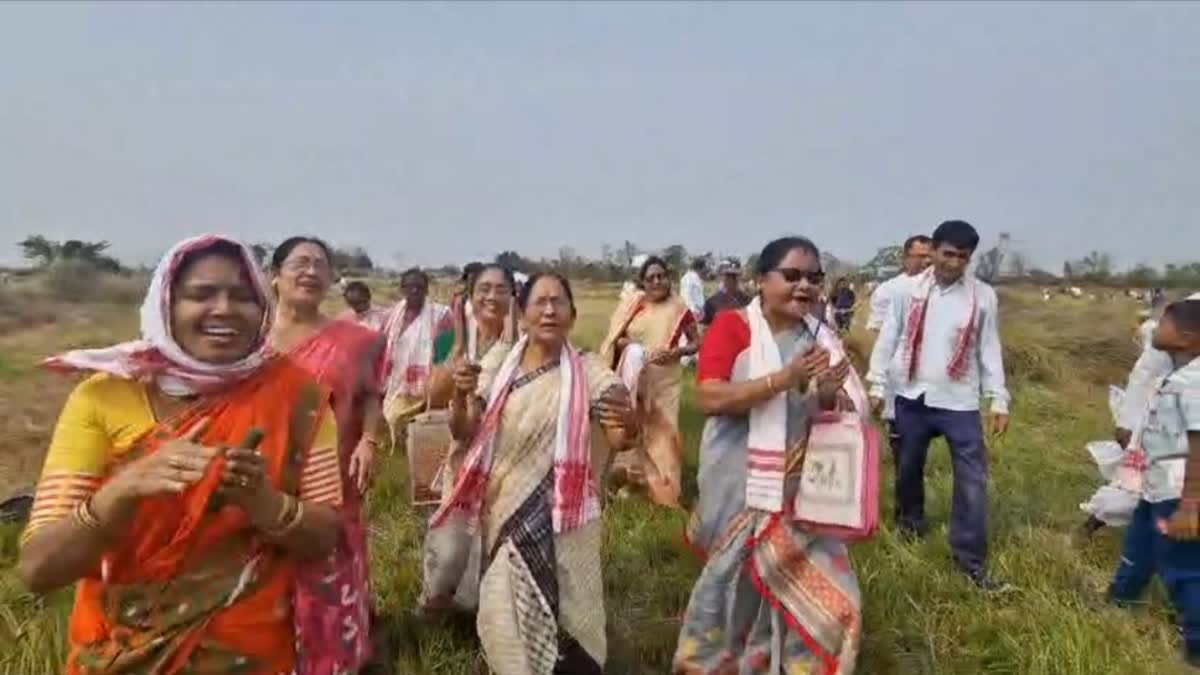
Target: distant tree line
997,263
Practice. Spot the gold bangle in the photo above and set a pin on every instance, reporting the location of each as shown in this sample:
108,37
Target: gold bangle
771,383
86,517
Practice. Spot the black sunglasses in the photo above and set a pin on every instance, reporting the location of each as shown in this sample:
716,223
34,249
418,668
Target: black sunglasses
794,276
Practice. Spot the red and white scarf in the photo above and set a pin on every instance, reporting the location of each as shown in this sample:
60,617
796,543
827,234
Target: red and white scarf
766,456
409,359
157,356
914,331
575,502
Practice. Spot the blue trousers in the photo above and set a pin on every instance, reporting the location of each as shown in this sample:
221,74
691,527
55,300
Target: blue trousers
915,427
1146,551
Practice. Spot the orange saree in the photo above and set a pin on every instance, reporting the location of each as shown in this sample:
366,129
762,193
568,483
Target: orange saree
191,587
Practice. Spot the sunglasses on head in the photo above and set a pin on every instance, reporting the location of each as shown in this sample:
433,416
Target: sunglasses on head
794,276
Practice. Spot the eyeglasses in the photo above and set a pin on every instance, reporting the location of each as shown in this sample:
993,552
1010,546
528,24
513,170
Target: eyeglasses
656,277
304,263
795,276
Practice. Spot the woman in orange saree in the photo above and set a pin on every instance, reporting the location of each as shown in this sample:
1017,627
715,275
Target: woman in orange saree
185,480
332,603
644,347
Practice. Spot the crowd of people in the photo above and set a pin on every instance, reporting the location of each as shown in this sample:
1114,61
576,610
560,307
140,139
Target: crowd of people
205,485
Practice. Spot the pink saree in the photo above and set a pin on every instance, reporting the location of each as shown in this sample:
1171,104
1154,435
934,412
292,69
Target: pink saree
332,601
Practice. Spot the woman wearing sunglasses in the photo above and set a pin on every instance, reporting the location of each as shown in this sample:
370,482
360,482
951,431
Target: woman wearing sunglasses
645,344
773,596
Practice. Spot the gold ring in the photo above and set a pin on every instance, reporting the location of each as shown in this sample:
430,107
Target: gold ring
245,482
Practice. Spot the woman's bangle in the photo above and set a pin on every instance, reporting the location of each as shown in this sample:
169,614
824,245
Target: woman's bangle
86,517
771,384
370,440
290,515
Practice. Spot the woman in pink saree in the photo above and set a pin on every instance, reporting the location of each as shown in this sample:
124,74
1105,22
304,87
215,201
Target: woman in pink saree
332,599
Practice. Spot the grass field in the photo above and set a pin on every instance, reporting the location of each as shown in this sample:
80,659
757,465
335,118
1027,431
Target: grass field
921,616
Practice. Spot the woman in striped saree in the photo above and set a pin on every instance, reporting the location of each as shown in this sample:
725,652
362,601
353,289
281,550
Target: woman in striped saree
528,493
772,598
185,480
645,345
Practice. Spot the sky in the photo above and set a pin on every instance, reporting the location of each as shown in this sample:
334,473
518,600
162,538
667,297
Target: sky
445,132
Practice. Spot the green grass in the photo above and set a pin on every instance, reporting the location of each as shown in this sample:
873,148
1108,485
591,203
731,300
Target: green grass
921,616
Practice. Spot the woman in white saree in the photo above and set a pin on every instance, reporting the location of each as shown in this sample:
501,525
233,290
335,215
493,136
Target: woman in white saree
527,493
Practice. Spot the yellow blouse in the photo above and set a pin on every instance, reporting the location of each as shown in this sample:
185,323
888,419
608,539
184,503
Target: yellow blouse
102,419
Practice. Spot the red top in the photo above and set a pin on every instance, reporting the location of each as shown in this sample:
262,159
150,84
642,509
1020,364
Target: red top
728,337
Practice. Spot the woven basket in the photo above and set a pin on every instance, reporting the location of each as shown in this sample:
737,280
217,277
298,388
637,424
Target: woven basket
428,445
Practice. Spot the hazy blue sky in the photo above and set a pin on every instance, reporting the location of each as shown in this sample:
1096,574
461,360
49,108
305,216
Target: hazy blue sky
445,132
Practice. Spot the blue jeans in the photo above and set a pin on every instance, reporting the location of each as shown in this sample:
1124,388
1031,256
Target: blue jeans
1146,551
915,427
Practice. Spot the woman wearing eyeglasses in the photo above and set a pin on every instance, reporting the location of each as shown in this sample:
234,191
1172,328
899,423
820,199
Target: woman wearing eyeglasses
645,345
332,596
485,318
773,597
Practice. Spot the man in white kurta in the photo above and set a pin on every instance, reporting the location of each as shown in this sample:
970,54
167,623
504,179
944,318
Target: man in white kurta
918,253
939,349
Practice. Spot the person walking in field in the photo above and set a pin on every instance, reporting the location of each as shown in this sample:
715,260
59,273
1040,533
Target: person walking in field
729,295
186,480
332,603
917,256
528,493
360,308
691,287
1151,367
418,335
1164,535
843,300
939,347
775,596
648,336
